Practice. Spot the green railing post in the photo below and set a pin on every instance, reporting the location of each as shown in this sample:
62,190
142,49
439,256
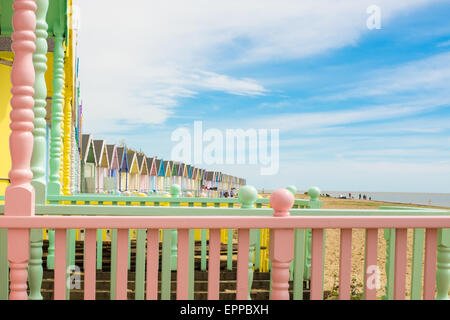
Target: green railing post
443,265
247,197
175,191
54,186
38,164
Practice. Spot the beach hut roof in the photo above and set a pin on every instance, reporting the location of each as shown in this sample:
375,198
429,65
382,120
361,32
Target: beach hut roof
142,163
101,153
122,156
168,168
132,161
209,175
175,168
160,167
87,149
151,165
111,149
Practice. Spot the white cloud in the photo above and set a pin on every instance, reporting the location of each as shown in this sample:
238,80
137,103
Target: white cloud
160,47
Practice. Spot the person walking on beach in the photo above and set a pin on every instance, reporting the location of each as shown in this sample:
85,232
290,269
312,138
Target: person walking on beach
360,196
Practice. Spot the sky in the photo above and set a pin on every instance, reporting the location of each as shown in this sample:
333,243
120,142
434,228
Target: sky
357,108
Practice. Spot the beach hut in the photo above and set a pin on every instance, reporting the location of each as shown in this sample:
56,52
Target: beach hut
88,164
133,171
160,175
102,166
167,175
175,169
151,165
143,171
114,167
123,168
193,180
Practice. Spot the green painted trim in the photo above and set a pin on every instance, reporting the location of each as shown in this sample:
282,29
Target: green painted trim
4,265
417,264
203,250
191,264
230,250
113,264
166,277
257,248
299,263
140,264
99,249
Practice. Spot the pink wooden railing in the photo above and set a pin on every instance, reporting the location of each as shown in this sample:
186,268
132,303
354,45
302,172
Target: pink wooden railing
281,248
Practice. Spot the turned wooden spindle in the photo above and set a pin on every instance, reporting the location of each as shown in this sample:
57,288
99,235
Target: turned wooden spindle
54,184
281,247
20,194
247,197
38,163
443,265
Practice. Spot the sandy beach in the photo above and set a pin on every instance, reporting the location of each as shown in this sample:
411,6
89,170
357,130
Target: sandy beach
331,272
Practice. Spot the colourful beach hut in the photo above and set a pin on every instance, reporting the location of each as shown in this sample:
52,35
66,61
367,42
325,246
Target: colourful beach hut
102,167
151,164
88,164
114,165
123,168
143,172
175,170
133,171
160,175
167,175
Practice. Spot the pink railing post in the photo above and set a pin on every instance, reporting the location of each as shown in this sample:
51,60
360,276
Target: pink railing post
20,194
281,247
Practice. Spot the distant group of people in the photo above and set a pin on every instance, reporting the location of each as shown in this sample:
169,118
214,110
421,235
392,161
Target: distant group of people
230,194
361,196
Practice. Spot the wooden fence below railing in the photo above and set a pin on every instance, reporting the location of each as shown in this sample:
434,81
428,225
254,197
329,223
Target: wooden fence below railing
282,226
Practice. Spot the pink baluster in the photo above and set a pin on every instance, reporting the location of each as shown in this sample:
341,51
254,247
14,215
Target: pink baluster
20,194
281,248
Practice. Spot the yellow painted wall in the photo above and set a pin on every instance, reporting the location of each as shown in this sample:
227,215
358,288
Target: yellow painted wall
5,109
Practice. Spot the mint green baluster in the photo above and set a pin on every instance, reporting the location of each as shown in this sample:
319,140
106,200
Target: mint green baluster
99,249
4,265
314,203
443,264
165,265
175,191
417,263
54,186
140,264
113,264
389,236
230,245
191,264
247,197
38,163
257,248
203,250
299,263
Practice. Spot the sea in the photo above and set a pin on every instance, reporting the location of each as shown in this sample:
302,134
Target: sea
427,199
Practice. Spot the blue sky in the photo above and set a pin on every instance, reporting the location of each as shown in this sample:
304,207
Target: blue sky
357,109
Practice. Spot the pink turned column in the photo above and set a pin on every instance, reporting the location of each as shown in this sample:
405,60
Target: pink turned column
20,194
281,248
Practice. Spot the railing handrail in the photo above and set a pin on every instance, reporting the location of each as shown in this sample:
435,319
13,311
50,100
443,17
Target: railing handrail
116,198
201,222
102,210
